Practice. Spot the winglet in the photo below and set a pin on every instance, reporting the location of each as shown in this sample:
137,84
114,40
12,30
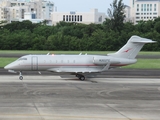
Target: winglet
106,67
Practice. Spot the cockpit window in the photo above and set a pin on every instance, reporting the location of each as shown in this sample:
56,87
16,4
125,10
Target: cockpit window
22,59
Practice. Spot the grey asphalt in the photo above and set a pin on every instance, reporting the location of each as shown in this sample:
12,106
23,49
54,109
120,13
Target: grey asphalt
55,98
113,73
118,94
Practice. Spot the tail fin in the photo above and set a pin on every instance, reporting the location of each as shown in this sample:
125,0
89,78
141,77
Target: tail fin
132,47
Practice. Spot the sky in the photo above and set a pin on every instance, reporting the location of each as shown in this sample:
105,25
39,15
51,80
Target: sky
84,5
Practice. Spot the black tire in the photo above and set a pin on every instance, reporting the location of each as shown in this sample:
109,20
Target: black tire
82,78
21,77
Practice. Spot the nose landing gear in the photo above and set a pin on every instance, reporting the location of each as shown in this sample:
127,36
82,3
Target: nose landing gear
20,75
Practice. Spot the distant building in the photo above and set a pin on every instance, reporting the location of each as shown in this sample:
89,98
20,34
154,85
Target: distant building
144,10
15,10
127,12
79,17
31,17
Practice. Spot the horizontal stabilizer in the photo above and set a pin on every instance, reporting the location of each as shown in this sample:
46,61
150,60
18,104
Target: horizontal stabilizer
137,39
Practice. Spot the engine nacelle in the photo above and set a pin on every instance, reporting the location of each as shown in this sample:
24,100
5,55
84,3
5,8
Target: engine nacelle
101,60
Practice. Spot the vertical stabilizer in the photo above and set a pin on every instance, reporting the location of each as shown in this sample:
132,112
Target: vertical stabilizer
132,47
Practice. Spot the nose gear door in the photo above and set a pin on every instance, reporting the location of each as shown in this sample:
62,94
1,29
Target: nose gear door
34,63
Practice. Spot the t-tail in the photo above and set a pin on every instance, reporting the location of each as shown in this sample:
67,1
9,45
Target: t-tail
132,47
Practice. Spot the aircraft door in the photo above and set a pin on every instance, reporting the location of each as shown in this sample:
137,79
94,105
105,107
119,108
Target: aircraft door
34,63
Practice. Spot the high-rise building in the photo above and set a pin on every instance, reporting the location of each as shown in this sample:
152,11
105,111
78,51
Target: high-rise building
127,13
14,10
144,10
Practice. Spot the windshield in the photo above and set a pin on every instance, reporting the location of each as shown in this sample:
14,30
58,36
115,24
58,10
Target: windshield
22,59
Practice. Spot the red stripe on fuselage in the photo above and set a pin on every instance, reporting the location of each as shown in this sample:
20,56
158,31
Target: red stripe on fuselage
77,65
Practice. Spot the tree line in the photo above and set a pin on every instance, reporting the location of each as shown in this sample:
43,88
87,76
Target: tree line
73,36
109,36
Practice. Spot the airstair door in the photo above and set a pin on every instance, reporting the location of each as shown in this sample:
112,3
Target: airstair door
34,63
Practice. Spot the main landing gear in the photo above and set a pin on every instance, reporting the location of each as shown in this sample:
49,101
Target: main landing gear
20,75
81,77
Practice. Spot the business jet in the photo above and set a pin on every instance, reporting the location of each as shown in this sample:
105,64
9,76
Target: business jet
81,66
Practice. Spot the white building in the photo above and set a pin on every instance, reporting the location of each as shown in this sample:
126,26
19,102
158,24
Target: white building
30,16
80,17
127,12
14,10
144,10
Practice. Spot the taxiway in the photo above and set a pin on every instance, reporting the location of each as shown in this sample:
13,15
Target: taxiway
55,98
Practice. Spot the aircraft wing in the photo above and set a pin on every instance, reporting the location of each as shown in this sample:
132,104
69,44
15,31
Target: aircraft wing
79,70
72,70
88,72
68,71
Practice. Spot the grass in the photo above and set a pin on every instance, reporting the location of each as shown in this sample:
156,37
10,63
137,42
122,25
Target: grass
145,64
5,61
148,53
67,52
51,52
141,63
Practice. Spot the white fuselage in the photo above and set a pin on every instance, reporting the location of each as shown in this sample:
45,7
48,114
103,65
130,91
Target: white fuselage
67,63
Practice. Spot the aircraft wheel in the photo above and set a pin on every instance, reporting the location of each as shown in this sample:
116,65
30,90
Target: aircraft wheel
77,75
82,78
21,77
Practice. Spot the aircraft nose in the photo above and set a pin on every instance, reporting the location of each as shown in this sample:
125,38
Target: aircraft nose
7,67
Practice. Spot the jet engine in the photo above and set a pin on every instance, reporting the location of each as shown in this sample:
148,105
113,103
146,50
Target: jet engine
100,60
